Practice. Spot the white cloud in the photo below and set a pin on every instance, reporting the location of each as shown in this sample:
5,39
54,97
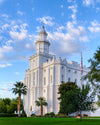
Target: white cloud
5,26
95,27
21,34
70,40
18,36
61,6
46,20
4,53
67,38
5,15
17,43
97,9
5,89
84,39
74,10
20,12
6,49
88,2
5,65
59,29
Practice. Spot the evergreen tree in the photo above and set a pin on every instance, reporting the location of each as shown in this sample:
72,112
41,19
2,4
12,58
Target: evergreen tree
85,99
67,93
94,70
75,99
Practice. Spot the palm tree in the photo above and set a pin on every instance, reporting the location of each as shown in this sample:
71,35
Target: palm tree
41,102
19,89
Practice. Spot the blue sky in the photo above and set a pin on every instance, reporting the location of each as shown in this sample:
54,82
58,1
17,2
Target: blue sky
72,25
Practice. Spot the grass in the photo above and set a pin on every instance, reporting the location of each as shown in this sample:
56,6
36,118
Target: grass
48,121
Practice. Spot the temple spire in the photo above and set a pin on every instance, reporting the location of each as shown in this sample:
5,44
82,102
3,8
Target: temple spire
42,43
43,31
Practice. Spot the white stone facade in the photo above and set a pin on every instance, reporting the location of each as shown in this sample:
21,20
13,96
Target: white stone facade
44,76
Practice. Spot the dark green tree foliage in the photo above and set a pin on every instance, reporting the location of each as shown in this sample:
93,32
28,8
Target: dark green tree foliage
9,106
94,73
98,102
7,101
72,98
12,107
3,108
84,99
67,93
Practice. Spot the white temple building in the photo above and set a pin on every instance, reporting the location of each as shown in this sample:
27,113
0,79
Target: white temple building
45,74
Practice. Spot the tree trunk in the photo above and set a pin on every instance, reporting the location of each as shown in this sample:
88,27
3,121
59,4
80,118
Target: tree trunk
19,103
41,111
80,116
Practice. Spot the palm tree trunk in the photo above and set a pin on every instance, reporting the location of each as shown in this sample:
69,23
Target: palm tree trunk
19,105
41,111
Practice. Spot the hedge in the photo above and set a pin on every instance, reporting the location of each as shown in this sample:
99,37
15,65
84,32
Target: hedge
8,115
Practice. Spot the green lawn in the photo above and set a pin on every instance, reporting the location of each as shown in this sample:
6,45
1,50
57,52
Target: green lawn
48,121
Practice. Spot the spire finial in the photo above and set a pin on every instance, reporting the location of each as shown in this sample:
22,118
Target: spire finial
43,25
42,31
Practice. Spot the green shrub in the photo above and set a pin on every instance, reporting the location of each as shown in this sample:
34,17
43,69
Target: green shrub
78,115
60,115
8,115
33,115
85,115
23,113
46,115
52,114
39,116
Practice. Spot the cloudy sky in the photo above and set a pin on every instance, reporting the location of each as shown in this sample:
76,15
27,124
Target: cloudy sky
72,25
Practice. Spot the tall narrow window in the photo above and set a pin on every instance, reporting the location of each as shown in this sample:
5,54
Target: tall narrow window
44,81
37,77
75,81
34,78
62,67
69,79
62,77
